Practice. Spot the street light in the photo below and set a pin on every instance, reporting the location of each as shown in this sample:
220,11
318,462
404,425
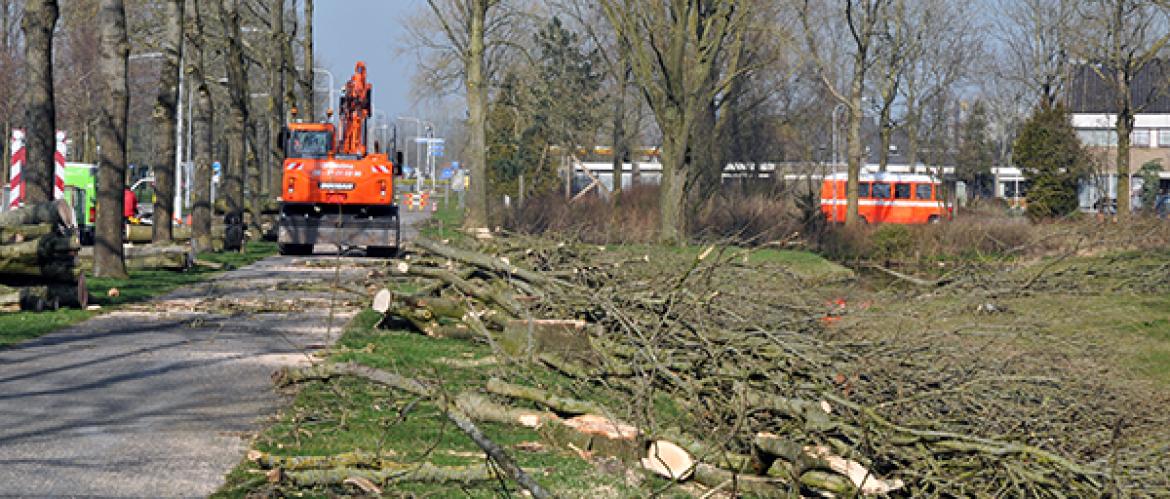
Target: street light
177,206
331,85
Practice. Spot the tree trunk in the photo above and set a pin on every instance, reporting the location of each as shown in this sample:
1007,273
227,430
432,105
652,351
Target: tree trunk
276,97
114,50
1125,122
856,148
307,76
620,146
40,17
201,137
164,121
672,196
476,217
234,170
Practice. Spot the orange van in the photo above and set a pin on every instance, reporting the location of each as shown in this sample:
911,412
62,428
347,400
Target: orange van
898,198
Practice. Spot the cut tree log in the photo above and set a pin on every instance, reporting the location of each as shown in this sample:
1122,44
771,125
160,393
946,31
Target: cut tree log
486,295
54,213
668,459
479,408
344,460
563,405
144,234
737,484
397,473
383,299
22,233
805,458
13,270
172,257
49,247
40,298
528,339
485,262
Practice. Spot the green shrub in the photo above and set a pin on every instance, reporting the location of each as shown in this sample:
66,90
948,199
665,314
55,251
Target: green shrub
1050,155
892,241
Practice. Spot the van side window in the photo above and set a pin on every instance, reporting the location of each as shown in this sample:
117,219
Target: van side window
863,189
881,190
923,191
901,191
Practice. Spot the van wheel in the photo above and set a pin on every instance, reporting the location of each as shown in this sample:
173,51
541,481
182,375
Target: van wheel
863,220
934,219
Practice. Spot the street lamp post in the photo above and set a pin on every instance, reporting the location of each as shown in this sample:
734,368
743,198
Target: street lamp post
331,85
177,207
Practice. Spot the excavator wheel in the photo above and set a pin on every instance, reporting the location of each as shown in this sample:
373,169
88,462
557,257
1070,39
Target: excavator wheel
295,249
388,251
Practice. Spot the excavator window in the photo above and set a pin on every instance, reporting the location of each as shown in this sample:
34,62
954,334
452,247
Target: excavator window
303,144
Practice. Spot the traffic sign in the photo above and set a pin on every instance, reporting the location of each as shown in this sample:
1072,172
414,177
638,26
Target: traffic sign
446,173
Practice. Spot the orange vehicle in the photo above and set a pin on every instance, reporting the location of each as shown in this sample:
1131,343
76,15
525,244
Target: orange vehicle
334,190
898,198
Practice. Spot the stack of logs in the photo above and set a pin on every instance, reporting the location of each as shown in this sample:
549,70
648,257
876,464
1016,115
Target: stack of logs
38,258
43,266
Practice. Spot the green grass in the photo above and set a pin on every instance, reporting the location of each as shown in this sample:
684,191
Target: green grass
446,222
142,285
343,415
807,265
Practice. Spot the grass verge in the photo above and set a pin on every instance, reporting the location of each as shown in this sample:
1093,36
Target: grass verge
142,285
344,415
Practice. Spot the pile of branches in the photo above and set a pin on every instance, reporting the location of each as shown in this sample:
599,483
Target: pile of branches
38,258
724,372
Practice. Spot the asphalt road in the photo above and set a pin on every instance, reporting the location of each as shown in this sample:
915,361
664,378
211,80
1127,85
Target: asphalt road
160,399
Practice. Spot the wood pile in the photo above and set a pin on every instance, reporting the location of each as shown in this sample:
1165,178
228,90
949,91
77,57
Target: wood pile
765,399
38,258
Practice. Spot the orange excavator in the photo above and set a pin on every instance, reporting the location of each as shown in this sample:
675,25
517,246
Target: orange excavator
334,190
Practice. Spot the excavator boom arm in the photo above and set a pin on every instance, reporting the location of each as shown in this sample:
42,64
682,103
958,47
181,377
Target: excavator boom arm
354,111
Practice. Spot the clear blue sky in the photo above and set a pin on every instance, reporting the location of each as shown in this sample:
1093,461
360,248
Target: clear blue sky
347,31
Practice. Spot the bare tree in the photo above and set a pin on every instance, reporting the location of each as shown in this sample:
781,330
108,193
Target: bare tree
1035,36
11,64
465,25
40,17
943,49
677,53
901,41
276,97
203,114
1123,38
164,120
235,168
861,17
115,52
307,75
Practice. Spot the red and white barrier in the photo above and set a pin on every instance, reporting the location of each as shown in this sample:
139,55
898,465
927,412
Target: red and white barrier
413,200
20,158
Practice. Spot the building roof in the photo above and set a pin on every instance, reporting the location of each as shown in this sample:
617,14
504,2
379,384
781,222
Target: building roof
1088,92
